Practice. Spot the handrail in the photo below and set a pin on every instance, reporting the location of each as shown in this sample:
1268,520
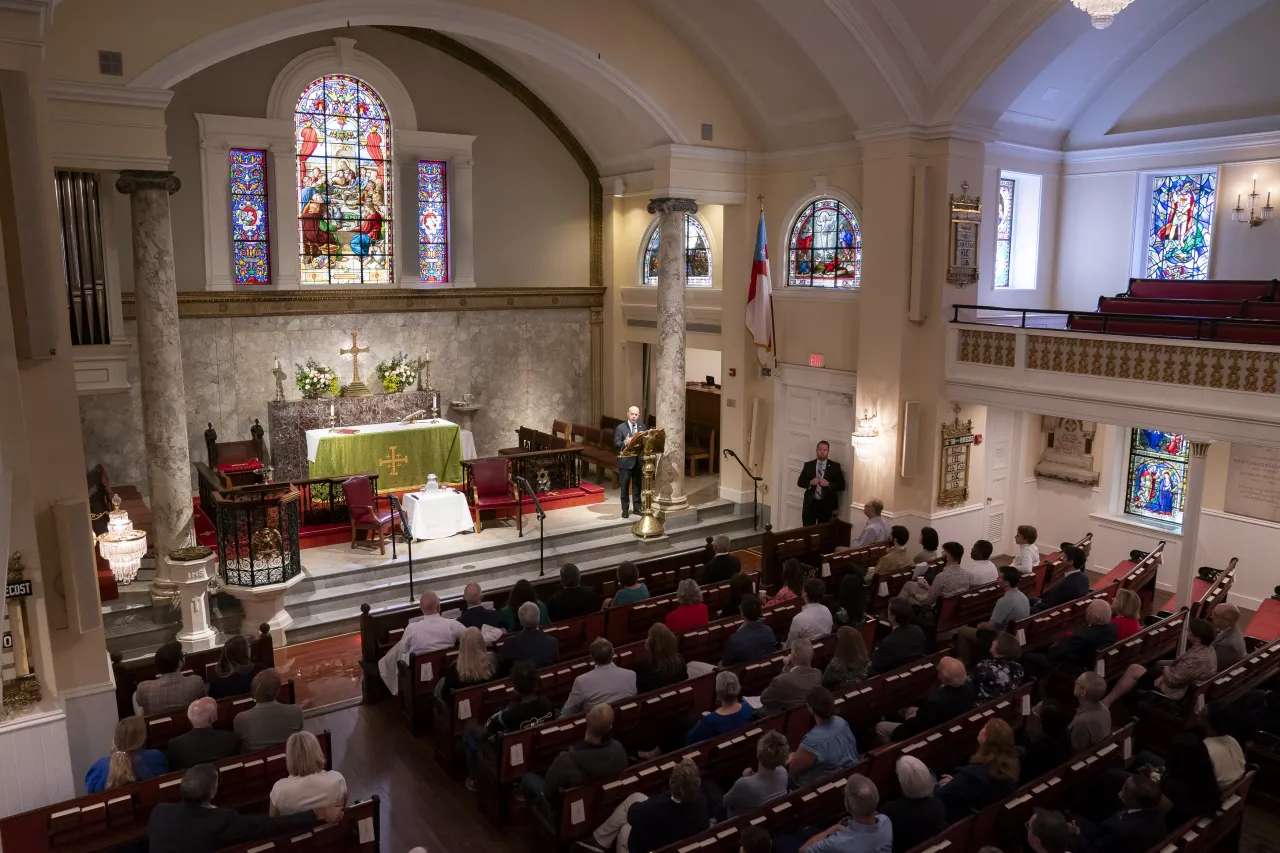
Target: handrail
1206,327
755,487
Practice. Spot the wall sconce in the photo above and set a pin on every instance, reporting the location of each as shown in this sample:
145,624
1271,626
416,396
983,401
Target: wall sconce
122,546
1255,216
868,429
619,187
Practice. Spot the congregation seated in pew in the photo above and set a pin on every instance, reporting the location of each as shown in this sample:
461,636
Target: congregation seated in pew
642,824
1228,643
814,619
1002,672
1077,650
992,773
474,613
852,595
521,592
849,662
918,814
928,547
753,640
663,664
1172,679
1013,606
268,722
598,756
573,598
690,611
473,665
1139,825
630,588
530,643
828,747
529,707
730,712
606,683
204,743
741,587
1126,613
952,580
234,672
896,557
1028,556
1073,584
1052,746
981,569
1092,720
723,565
904,643
130,761
309,785
875,530
954,695
792,586
865,830
766,781
790,688
171,688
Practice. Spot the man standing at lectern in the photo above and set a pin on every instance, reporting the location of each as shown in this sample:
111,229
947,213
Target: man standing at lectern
822,481
629,467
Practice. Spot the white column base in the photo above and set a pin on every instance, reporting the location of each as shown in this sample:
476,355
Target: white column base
264,604
192,580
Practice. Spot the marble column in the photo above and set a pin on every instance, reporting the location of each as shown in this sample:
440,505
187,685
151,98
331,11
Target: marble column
596,363
1192,500
669,376
164,402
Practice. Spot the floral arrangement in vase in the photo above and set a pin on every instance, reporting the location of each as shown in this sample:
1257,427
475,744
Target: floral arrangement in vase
397,373
314,379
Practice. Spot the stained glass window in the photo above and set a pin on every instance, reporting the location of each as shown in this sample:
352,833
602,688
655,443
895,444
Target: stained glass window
343,134
1178,232
1004,232
1157,475
433,221
826,247
250,234
697,255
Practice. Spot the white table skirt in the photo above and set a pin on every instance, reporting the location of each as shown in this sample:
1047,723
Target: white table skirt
437,514
315,435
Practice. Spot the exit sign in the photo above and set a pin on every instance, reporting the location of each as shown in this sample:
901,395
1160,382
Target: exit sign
817,359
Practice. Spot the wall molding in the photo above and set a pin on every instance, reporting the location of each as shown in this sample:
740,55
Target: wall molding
194,305
816,378
106,93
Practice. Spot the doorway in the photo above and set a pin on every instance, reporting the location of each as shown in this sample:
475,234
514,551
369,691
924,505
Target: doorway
812,405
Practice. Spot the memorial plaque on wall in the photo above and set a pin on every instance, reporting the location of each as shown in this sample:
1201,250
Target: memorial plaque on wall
1253,482
953,475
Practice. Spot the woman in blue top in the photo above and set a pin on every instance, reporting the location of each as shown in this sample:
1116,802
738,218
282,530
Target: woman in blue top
520,593
732,714
630,590
129,762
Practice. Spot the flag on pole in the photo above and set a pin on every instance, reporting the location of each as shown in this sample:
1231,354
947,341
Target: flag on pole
759,297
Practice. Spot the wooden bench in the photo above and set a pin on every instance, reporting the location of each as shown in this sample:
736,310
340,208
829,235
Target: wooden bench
632,621
1140,577
1242,289
1152,643
110,819
359,821
165,726
1044,628
1205,834
1052,566
807,544
130,673
1217,592
974,604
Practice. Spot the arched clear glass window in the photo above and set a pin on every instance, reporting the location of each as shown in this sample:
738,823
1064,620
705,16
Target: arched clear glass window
343,134
697,255
825,247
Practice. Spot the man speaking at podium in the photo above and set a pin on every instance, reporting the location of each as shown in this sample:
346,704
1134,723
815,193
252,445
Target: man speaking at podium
630,468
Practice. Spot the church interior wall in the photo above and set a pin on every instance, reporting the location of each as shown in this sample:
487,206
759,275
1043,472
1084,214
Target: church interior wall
1005,158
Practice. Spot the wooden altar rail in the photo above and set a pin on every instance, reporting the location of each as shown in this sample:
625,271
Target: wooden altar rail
129,674
806,544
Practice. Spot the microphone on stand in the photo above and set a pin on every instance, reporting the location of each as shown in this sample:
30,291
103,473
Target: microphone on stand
536,505
542,518
398,505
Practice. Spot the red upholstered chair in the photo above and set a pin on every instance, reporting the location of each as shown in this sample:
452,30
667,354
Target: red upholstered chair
362,506
488,487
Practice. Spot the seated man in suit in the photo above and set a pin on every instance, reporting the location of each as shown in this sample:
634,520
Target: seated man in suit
475,614
904,643
607,683
629,468
194,825
573,599
172,688
530,642
723,565
954,695
1073,584
752,641
203,744
1139,825
1076,651
267,723
790,688
822,481
1228,642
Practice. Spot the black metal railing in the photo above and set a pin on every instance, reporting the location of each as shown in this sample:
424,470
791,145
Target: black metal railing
258,534
1177,326
755,487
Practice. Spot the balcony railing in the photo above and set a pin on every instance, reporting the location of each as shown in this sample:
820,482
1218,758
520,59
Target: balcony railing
1172,326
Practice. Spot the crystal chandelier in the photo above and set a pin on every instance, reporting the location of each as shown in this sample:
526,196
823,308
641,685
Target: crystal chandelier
122,546
1101,12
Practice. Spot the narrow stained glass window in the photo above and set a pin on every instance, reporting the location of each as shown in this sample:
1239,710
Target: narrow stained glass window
250,232
1157,475
1004,233
343,133
1178,233
697,255
826,247
433,221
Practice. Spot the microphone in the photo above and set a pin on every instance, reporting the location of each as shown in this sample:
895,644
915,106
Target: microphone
398,506
536,504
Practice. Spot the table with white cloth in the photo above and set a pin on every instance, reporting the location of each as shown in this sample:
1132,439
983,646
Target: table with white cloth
402,454
437,513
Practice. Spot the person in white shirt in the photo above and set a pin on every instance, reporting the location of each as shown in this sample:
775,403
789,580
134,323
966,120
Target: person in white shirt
1028,554
308,786
982,569
814,619
875,531
431,633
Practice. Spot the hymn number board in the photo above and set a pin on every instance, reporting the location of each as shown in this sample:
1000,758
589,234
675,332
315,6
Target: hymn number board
8,665
953,478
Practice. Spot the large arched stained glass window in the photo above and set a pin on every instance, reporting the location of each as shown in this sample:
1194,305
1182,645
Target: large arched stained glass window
826,247
1157,475
343,134
697,255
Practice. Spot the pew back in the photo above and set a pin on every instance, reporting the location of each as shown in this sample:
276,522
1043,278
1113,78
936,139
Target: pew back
359,831
164,727
1149,644
806,544
1217,592
1043,628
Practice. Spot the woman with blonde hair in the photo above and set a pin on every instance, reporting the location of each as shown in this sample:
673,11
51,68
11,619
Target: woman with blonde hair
663,664
849,664
130,761
992,773
474,665
309,784
1127,608
690,611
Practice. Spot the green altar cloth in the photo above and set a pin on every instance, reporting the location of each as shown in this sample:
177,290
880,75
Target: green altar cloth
401,454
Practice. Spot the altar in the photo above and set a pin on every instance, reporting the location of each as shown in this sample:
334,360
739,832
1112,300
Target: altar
403,455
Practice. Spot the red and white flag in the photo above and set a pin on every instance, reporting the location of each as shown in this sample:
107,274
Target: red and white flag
759,298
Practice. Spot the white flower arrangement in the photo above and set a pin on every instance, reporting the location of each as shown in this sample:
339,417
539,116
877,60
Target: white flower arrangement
314,379
397,373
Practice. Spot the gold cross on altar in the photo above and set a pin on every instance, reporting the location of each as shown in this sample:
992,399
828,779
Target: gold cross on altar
393,460
354,352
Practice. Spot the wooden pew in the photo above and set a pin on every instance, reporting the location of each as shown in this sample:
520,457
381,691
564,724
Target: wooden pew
1042,629
1217,592
633,621
130,673
359,821
105,821
1147,646
1052,566
164,727
1205,834
807,544
974,604
863,704
1139,577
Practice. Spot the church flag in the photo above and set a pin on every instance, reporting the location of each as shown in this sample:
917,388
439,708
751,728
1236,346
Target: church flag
759,297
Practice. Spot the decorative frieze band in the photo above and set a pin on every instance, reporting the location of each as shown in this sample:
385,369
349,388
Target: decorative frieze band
205,304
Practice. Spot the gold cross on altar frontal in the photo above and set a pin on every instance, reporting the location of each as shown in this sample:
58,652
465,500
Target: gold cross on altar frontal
393,460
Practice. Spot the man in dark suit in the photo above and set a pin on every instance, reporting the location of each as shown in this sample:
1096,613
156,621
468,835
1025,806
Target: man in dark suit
195,826
573,599
529,643
1078,650
954,695
629,473
1073,584
203,744
903,644
475,614
1138,826
822,481
723,565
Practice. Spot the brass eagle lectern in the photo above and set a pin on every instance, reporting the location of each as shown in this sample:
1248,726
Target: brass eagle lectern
647,446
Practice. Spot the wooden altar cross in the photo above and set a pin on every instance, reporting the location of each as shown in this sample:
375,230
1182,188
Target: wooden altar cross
393,460
354,352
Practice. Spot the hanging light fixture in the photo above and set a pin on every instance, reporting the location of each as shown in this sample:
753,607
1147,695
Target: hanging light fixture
1102,13
122,546
868,428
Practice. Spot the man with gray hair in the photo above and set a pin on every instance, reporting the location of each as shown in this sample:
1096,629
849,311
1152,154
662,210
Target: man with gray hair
474,613
917,815
194,825
203,743
1077,651
1092,721
530,642
723,565
607,683
629,472
431,633
863,831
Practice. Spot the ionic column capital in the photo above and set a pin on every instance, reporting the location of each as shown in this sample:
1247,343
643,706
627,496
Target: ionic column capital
133,180
672,205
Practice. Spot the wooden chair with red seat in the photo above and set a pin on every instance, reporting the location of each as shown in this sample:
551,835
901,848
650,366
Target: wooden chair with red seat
362,506
488,487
